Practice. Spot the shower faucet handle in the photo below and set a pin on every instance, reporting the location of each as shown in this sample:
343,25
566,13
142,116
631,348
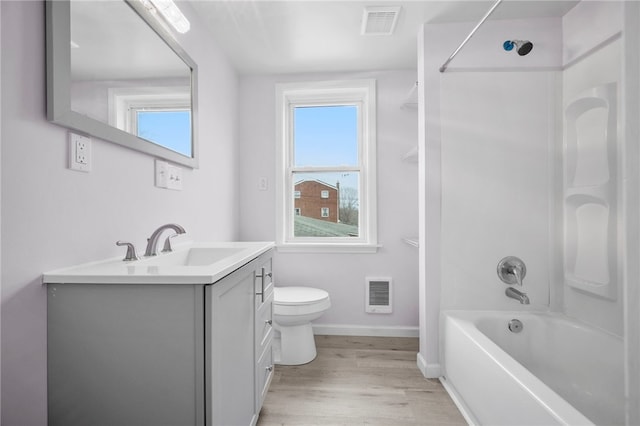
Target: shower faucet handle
512,270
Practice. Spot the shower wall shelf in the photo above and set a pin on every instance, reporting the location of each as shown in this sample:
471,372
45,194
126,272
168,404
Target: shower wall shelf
411,156
590,192
412,241
411,101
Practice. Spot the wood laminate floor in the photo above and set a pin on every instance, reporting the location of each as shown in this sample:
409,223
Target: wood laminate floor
358,381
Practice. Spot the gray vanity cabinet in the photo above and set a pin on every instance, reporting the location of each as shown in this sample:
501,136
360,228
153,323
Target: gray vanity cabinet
159,354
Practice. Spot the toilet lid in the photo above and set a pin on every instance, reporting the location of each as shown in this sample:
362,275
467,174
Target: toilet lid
298,295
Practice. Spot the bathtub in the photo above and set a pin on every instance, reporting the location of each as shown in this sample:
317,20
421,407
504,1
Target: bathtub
556,371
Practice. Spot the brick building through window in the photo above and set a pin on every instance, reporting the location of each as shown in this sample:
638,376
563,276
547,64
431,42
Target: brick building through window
317,200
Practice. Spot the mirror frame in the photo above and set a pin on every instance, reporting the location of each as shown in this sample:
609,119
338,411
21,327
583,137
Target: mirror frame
58,46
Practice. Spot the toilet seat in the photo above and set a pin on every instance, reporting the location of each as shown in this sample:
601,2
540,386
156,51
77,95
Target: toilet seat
299,300
298,295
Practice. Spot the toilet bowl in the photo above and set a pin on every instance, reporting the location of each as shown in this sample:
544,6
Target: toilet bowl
293,310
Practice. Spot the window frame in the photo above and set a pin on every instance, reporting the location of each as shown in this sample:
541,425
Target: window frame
361,93
125,102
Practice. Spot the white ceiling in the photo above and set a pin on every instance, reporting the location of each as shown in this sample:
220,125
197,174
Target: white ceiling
293,36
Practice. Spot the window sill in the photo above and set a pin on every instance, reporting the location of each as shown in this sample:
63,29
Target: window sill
327,248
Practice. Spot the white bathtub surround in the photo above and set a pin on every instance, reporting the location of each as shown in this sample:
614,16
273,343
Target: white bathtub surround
536,159
555,371
487,151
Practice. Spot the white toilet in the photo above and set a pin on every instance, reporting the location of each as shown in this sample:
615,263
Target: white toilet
293,310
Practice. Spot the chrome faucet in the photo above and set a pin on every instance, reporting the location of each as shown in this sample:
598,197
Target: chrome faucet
512,271
517,294
152,241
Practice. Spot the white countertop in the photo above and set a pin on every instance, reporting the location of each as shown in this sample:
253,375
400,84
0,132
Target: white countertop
162,269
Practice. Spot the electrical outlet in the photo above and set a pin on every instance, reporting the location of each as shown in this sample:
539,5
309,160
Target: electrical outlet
79,153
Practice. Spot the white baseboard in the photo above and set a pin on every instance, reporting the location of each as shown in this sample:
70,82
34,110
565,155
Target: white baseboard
430,371
361,330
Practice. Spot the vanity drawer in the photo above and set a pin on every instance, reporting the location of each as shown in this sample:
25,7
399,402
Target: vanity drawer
264,283
264,374
264,325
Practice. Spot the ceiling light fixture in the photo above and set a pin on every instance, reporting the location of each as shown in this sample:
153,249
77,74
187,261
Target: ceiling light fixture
171,13
379,20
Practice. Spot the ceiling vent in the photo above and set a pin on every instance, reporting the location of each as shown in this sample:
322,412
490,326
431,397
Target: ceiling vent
379,20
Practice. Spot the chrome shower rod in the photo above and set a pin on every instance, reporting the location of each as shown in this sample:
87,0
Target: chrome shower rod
473,31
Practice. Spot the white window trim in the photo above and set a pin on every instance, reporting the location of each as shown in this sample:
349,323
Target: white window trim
125,102
289,95
323,210
324,194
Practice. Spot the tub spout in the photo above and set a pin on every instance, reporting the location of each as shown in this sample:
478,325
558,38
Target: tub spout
518,295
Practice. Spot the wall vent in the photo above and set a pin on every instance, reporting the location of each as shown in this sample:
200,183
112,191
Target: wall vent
379,20
378,296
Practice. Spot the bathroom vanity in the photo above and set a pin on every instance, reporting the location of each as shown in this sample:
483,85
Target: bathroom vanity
178,339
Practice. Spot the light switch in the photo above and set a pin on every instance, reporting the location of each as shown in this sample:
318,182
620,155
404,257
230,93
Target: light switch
263,184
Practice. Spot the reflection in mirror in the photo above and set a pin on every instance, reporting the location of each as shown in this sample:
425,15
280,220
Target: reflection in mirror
117,77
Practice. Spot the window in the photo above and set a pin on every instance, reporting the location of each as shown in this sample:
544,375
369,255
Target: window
168,126
326,166
158,114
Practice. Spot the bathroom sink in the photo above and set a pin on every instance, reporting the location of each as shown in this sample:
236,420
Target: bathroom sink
194,256
195,263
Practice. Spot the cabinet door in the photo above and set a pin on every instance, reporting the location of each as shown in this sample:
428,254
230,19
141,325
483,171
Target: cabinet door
229,327
122,355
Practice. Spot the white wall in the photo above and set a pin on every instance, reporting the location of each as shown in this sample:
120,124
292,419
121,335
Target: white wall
54,217
342,275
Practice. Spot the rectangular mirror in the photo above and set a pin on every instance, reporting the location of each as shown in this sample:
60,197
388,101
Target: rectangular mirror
115,72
